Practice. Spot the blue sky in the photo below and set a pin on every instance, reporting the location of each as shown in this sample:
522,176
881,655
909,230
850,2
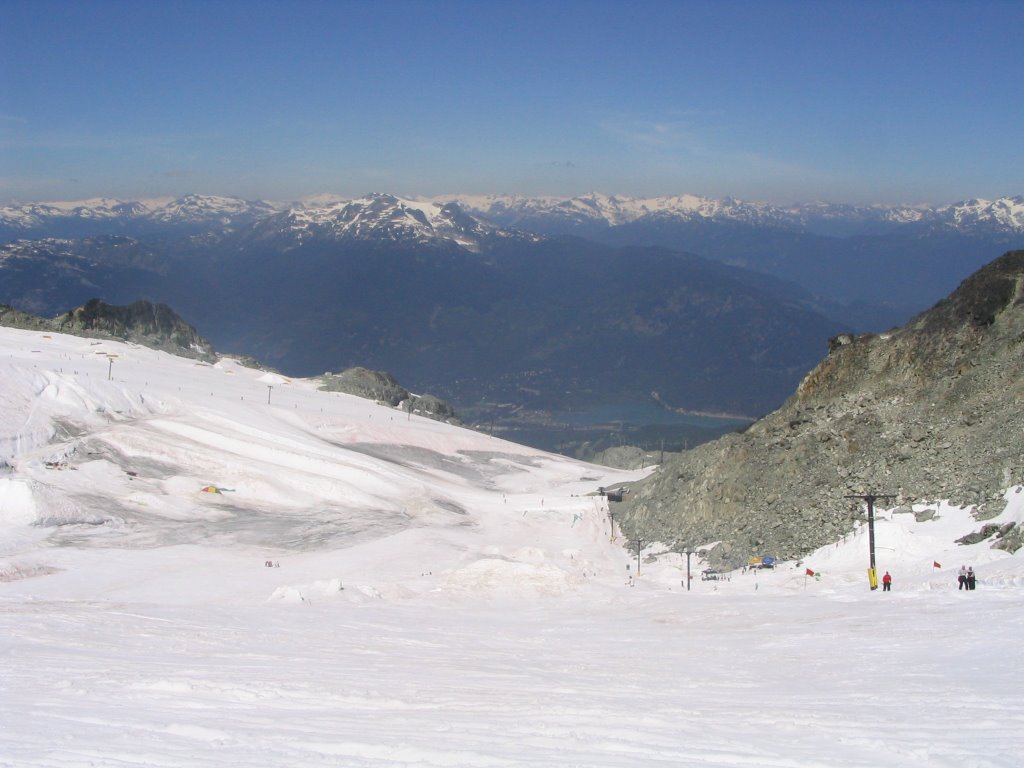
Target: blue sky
778,101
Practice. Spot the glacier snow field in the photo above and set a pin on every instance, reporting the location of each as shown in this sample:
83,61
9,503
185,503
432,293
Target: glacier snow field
211,565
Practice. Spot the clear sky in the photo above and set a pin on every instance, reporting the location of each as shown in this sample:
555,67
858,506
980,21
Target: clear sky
893,102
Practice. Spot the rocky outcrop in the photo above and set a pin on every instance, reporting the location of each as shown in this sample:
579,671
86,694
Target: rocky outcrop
151,325
362,382
618,456
15,318
384,388
929,411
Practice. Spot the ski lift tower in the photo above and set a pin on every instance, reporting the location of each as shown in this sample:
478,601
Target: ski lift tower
871,498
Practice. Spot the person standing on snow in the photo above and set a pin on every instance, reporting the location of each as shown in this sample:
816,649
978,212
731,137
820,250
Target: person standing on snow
970,578
962,577
887,582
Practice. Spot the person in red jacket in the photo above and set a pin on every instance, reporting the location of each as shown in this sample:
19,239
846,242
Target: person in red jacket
887,582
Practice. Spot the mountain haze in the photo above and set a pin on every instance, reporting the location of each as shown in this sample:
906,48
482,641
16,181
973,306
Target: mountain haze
510,305
449,303
869,266
872,266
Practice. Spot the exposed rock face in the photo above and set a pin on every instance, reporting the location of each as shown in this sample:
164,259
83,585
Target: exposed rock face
152,325
15,318
619,456
382,386
933,410
362,382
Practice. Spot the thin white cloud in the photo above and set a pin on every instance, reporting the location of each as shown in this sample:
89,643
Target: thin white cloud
774,165
656,134
179,173
686,146
62,141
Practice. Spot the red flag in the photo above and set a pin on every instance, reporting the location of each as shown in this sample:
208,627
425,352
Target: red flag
935,564
809,572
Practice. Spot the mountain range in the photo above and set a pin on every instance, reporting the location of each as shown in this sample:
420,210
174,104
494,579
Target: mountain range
871,266
109,216
565,214
548,215
511,305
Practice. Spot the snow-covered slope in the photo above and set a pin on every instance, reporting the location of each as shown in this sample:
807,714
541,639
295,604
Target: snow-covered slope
110,446
209,565
317,480
1004,214
211,209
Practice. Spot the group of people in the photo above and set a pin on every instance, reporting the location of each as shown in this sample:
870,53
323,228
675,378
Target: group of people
966,578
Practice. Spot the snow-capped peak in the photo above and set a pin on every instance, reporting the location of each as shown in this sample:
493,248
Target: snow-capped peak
1006,213
380,216
615,210
433,218
192,208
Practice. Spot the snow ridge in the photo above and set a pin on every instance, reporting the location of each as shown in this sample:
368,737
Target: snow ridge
1004,214
383,217
433,218
190,209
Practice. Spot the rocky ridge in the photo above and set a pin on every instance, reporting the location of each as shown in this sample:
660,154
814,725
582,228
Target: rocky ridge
930,411
385,389
151,325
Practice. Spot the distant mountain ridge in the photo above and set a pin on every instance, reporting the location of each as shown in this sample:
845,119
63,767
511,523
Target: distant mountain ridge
871,267
383,218
110,216
561,214
1006,214
453,305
